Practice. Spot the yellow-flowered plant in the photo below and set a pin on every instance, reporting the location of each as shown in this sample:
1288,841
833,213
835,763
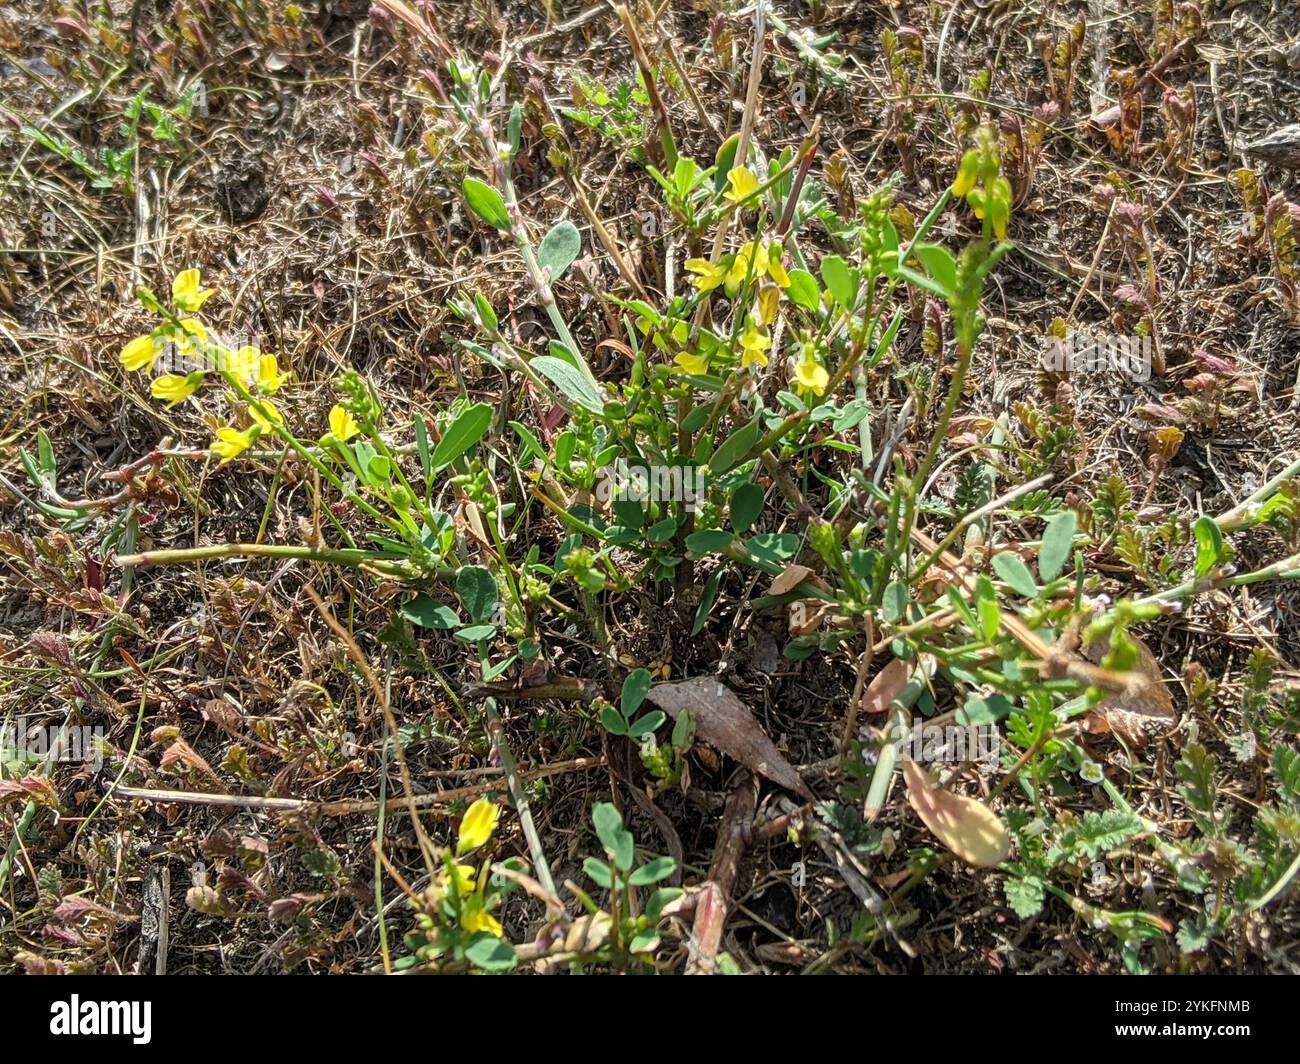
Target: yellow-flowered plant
456,918
185,343
980,183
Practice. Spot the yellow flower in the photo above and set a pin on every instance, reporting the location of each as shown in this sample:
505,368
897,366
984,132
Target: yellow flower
244,364
749,261
475,918
774,268
186,294
264,412
231,442
173,389
811,377
707,276
966,174
343,425
754,343
477,825
189,344
769,303
693,363
743,184
465,880
269,377
139,353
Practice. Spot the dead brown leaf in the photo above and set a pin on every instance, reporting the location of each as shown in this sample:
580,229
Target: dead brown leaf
1146,706
968,828
723,721
886,685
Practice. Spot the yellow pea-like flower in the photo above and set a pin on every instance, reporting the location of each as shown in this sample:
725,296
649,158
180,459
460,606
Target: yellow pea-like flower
474,918
811,377
753,344
269,377
243,363
707,275
692,362
173,388
343,425
231,442
139,353
743,184
186,293
774,268
477,825
966,173
264,412
769,303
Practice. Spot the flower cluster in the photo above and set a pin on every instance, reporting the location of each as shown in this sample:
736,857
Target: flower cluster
184,342
458,905
755,267
981,185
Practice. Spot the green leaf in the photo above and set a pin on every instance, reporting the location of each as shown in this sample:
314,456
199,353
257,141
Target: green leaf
463,434
490,953
532,445
894,601
477,588
710,541
986,605
608,823
1058,541
422,445
559,248
1025,896
707,598
486,314
839,279
804,290
429,613
773,547
647,724
746,505
379,468
514,126
1016,573
612,721
475,632
653,872
570,380
662,531
45,454
1195,770
599,872
1286,766
1098,833
658,899
939,264
1209,545
984,710
725,161
635,688
486,202
734,448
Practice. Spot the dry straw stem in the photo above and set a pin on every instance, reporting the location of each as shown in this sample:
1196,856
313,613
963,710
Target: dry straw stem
432,803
